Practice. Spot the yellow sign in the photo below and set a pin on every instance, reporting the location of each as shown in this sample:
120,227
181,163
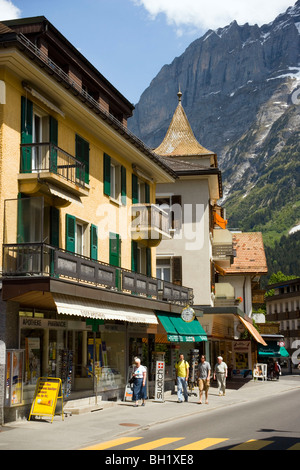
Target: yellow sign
45,397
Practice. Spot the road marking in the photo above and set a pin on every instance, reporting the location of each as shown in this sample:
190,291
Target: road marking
203,444
113,443
253,444
155,444
295,447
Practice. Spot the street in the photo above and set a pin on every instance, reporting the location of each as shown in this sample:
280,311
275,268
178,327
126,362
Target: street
271,424
265,413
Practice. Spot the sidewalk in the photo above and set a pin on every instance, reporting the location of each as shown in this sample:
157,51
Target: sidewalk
120,418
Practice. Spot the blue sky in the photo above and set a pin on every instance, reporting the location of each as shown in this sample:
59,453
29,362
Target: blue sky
129,41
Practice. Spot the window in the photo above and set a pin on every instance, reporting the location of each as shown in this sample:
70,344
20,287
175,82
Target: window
81,238
140,259
114,190
114,176
163,269
173,206
82,153
140,191
37,127
170,269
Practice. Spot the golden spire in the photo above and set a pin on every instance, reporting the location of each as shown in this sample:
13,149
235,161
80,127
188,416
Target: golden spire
180,139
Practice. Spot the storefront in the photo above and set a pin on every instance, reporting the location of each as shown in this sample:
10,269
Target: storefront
234,337
177,336
93,352
274,350
87,353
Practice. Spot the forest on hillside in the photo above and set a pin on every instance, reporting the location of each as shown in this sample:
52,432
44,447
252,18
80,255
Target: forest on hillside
284,257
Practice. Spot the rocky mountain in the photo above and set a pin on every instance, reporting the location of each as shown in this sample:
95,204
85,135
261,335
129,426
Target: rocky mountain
240,92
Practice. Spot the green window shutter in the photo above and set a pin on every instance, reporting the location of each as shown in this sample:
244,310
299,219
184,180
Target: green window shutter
114,249
134,256
106,174
70,233
54,227
86,160
94,242
115,255
147,193
135,189
53,133
123,185
148,262
82,149
26,133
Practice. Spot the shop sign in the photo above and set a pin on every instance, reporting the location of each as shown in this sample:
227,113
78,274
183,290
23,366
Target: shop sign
159,381
260,371
241,346
14,374
53,324
45,397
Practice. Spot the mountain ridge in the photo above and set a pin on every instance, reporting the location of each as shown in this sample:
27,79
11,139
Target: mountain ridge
238,85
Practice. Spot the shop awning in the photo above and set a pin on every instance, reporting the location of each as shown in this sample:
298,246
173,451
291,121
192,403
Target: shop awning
68,305
253,331
179,331
272,350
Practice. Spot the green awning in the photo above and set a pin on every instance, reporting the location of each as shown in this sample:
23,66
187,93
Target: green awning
179,331
272,350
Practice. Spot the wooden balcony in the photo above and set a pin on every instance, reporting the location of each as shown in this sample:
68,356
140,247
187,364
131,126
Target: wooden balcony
46,163
222,247
149,224
225,295
39,260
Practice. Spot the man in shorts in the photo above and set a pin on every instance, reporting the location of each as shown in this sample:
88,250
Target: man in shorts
204,371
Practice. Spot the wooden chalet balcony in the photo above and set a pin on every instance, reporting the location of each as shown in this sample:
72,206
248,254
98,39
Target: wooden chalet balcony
149,224
45,162
38,260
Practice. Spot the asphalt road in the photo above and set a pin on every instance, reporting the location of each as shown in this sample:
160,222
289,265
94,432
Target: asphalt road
269,424
264,413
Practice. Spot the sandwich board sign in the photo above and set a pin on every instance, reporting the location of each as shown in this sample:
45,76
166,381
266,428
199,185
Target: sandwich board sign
45,397
159,381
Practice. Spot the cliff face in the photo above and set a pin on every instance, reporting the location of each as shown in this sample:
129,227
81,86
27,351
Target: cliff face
239,92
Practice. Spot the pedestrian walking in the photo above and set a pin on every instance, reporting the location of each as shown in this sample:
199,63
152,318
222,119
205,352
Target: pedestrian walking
220,372
277,370
204,371
139,382
182,376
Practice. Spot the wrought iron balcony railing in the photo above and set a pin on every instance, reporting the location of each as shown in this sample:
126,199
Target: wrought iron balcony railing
42,260
48,158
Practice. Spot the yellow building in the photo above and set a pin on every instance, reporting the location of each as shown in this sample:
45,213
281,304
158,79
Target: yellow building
80,224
